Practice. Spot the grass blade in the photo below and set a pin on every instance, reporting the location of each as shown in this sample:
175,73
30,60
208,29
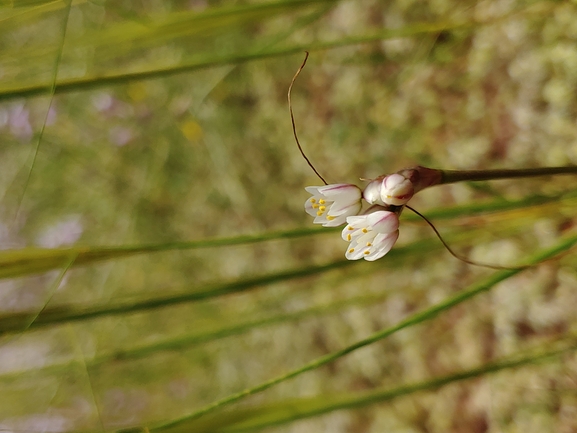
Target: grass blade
415,319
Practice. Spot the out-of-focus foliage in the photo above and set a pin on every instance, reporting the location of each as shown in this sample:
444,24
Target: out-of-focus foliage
157,258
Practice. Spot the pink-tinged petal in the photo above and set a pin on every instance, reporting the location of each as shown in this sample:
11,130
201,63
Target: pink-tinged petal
344,191
382,244
393,180
349,210
397,190
383,221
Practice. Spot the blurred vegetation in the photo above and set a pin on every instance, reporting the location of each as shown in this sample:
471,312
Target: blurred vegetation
158,272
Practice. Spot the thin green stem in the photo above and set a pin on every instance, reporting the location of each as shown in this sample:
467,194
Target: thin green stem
452,176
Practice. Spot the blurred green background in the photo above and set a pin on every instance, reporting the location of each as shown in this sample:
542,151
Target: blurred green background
157,123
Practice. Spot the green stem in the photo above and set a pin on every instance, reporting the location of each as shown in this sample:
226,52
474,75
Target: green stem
452,176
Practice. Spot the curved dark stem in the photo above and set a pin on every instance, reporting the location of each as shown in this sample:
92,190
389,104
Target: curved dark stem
293,118
452,176
463,259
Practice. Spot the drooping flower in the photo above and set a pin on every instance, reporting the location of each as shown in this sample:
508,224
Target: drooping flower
332,204
371,236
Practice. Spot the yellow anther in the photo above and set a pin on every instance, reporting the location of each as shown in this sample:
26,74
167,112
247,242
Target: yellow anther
369,244
349,237
321,201
330,217
365,231
322,208
352,250
319,213
313,200
350,228
315,206
367,253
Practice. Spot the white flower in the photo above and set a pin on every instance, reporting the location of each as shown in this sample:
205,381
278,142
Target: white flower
332,204
371,236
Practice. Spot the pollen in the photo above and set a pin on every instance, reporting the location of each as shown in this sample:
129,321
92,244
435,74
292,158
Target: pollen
349,237
319,213
330,217
350,228
365,230
315,206
352,250
322,201
322,208
369,244
313,200
367,253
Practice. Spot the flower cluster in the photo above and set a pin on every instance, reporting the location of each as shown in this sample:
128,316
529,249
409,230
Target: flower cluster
372,234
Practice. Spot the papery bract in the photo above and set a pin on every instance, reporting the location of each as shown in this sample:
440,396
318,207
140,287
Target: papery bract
371,236
332,204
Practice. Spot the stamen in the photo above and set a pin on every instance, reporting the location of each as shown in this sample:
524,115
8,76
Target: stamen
315,206
350,228
352,250
313,200
322,201
322,208
319,213
367,253
369,244
365,230
330,217
349,237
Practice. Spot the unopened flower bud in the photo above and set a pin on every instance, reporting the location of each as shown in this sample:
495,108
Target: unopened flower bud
372,192
396,190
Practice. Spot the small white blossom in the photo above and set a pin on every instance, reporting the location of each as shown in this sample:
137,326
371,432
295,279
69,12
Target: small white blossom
371,236
332,204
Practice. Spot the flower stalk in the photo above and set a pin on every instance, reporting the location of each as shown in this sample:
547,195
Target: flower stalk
452,176
371,234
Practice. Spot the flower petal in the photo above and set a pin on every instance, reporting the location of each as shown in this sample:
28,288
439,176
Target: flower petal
383,221
349,210
382,245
